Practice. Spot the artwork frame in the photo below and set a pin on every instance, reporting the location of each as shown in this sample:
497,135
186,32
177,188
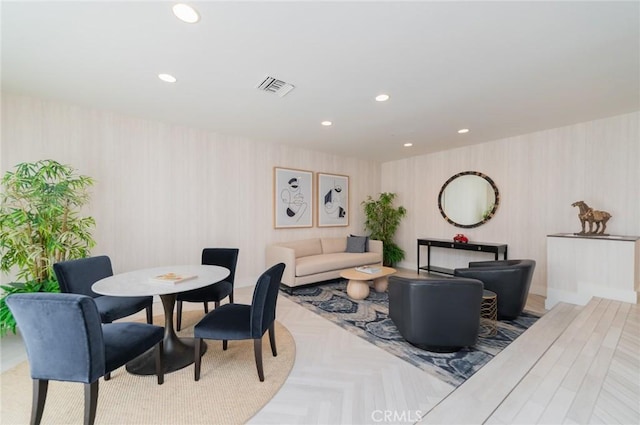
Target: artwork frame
332,196
293,198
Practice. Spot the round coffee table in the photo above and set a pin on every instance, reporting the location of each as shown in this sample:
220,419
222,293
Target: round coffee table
358,286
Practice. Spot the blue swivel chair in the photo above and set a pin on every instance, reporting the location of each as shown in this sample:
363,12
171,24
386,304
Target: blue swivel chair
241,321
224,257
65,341
77,276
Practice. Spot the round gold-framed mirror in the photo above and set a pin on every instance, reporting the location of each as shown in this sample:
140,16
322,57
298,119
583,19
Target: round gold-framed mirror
468,199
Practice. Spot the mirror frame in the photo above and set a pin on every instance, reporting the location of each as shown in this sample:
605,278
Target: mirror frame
468,173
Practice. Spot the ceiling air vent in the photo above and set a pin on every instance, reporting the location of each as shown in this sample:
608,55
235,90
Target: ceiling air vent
273,85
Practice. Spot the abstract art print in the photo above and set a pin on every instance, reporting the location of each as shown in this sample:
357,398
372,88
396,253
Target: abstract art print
333,200
292,198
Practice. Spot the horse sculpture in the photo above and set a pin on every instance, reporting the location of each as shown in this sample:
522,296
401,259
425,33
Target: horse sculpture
591,216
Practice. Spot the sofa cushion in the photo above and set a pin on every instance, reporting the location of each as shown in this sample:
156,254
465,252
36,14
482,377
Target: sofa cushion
356,244
366,244
304,247
336,261
331,245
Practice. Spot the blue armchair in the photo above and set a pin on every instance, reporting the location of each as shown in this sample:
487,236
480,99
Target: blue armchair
509,279
65,341
440,314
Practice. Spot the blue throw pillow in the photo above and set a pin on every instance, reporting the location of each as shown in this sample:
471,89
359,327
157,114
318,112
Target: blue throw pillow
356,244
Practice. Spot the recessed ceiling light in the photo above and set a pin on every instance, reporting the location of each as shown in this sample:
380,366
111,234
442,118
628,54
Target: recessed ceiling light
185,13
408,145
326,123
382,97
167,78
463,130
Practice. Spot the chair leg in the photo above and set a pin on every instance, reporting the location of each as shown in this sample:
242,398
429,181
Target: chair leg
107,376
224,344
206,307
231,298
150,315
179,316
160,362
216,304
257,349
39,396
272,339
197,358
90,402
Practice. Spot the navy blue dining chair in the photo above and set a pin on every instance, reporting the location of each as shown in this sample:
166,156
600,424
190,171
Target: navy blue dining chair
241,321
224,257
77,276
66,341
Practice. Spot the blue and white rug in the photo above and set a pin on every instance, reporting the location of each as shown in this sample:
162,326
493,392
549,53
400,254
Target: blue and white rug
369,320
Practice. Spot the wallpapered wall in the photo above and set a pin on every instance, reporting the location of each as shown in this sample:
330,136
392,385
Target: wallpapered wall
539,176
163,192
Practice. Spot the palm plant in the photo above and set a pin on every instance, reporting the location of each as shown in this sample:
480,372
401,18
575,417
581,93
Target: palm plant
40,224
382,220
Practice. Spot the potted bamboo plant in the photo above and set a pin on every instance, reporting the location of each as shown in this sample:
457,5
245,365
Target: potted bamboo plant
40,224
382,220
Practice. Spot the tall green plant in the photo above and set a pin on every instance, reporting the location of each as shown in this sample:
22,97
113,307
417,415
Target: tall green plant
382,220
40,224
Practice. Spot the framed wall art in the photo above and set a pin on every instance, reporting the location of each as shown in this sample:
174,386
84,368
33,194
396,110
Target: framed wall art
292,198
333,200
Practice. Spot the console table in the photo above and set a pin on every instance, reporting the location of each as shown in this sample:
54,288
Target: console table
494,248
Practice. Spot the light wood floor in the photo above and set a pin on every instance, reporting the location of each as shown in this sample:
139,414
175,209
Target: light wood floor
576,365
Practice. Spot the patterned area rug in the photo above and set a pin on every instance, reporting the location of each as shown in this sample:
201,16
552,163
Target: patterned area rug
369,320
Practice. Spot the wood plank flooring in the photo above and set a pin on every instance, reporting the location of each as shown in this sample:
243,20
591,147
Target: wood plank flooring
590,373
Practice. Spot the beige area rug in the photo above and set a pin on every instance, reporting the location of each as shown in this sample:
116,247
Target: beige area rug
229,391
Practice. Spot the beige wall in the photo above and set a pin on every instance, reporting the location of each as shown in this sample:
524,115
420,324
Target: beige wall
539,176
165,192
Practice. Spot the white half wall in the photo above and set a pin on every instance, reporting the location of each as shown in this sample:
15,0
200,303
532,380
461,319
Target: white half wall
539,176
164,192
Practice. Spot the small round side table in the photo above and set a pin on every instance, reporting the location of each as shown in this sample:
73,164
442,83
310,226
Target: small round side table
488,314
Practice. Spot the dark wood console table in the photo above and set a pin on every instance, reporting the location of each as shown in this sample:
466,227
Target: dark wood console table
494,248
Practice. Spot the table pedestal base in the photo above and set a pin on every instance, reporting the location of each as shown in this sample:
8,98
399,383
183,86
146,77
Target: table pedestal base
177,355
380,284
358,289
178,352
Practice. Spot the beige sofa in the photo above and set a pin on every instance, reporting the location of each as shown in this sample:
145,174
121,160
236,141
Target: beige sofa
319,259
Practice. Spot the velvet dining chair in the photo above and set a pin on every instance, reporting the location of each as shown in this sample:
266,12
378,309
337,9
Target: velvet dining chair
224,257
66,341
77,276
241,321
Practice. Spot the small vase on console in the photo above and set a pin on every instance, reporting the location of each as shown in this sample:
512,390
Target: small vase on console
460,238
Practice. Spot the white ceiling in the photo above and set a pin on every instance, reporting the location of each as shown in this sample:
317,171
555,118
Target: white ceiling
498,68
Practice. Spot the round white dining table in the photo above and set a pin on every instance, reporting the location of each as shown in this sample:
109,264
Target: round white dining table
178,351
